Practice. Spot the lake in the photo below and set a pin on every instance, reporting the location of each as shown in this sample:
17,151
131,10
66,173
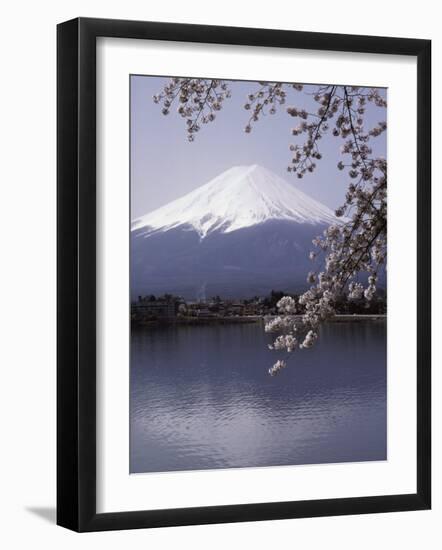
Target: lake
201,398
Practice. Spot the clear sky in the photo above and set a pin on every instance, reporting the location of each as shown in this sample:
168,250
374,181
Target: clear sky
165,166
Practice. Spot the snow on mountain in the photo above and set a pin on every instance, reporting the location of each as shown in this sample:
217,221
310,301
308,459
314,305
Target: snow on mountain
240,197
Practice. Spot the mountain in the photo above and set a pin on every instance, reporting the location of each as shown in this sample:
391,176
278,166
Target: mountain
243,233
243,196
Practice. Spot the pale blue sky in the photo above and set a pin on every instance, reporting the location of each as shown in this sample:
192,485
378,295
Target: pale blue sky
165,166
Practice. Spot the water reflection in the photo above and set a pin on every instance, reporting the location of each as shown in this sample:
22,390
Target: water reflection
201,398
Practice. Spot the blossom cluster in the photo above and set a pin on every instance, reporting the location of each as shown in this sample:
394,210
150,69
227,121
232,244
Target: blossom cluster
280,364
198,100
340,111
293,336
284,342
265,100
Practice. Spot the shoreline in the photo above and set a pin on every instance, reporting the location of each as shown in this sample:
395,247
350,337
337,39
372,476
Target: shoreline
205,321
343,317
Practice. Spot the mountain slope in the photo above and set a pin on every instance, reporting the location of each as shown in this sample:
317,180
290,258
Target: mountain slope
240,197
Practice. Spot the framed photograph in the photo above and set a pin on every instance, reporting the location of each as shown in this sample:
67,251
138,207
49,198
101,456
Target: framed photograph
240,337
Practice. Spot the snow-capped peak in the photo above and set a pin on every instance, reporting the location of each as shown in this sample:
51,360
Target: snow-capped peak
240,197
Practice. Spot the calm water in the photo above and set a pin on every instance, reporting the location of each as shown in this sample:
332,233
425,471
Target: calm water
201,398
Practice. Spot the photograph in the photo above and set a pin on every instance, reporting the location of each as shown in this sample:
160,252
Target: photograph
228,347
258,280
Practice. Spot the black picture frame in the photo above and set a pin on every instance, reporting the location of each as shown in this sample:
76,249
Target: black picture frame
76,274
